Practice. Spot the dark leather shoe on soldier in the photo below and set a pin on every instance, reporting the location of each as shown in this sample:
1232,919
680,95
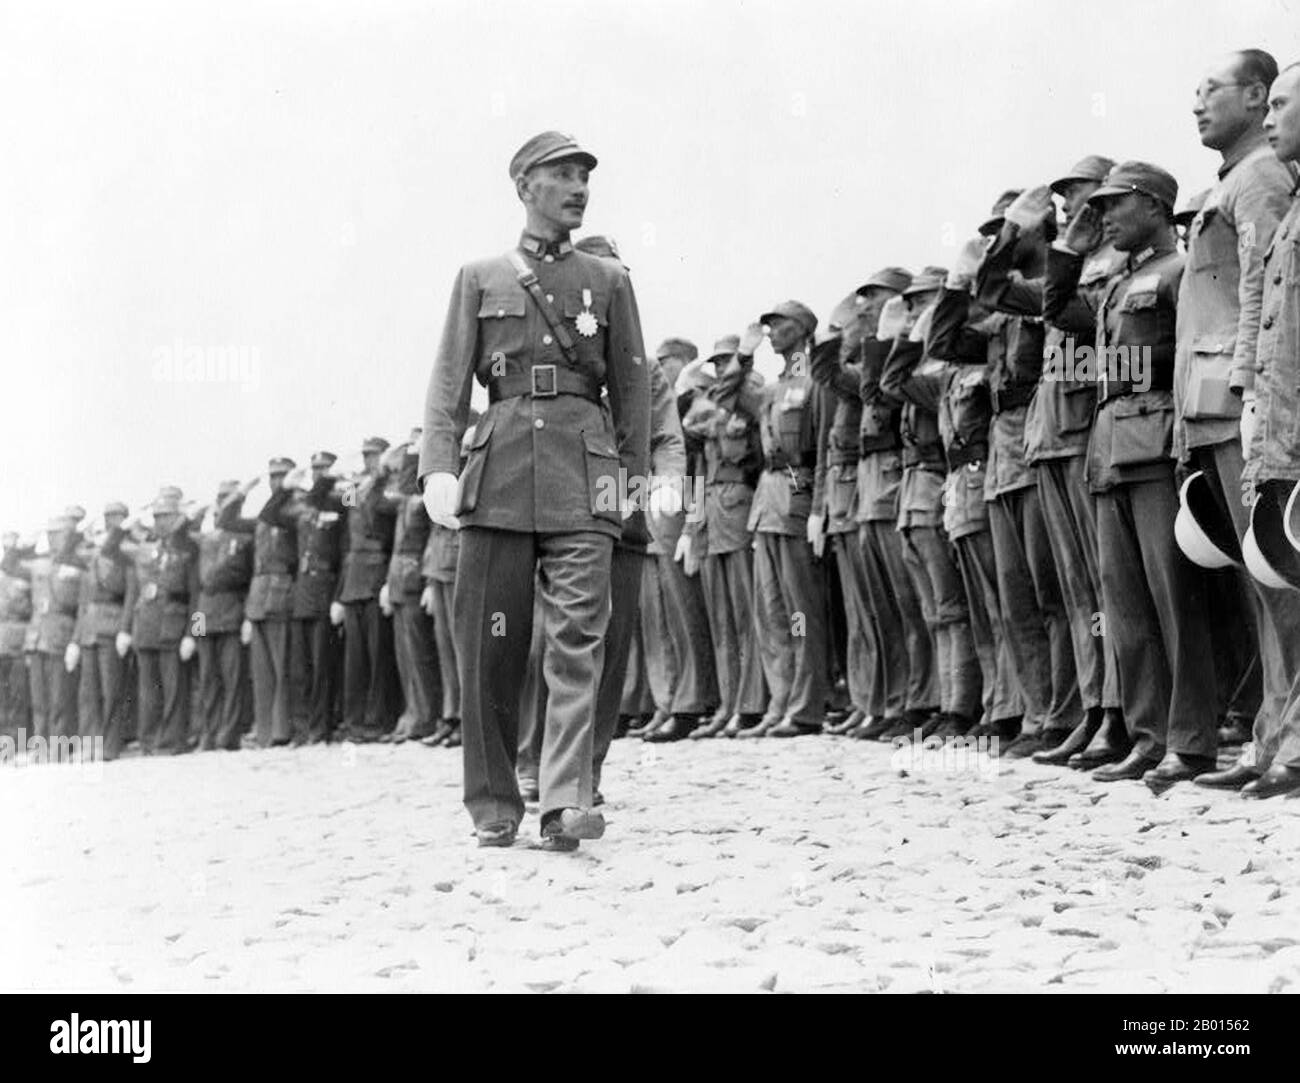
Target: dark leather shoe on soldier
932,725
1233,778
1133,766
760,728
1177,767
1076,740
1275,781
453,739
899,726
788,727
872,729
1023,745
954,725
713,728
563,829
844,726
677,727
649,725
1111,745
738,723
501,833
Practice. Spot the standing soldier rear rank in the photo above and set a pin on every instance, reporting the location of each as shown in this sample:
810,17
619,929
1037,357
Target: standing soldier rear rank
787,588
544,328
15,614
314,652
370,686
106,691
718,537
417,657
1153,597
162,590
225,571
270,598
55,581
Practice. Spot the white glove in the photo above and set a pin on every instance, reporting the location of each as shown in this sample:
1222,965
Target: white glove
385,605
426,600
440,499
336,614
122,643
967,263
71,656
1249,420
1029,209
922,326
187,648
246,633
665,500
817,533
893,319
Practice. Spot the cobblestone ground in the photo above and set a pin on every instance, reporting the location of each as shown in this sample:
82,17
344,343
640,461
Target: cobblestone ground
809,864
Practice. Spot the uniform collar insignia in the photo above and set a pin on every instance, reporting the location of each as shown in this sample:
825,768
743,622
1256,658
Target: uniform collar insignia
538,247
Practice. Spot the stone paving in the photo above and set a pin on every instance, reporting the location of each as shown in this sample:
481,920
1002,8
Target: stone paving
814,864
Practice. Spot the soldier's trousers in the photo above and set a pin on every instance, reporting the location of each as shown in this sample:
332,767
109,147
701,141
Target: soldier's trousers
658,650
696,690
164,719
1071,520
1155,606
53,696
637,700
729,597
792,634
1033,613
494,616
979,573
417,667
314,658
447,648
907,642
864,662
370,688
941,597
1277,624
15,697
222,684
271,682
106,694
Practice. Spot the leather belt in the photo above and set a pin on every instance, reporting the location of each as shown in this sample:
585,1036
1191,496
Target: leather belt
1009,398
544,382
929,456
1108,389
963,456
806,461
843,458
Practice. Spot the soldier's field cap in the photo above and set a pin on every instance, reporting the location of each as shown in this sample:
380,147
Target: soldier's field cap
374,445
116,507
996,216
792,310
930,279
548,147
166,503
323,459
694,377
682,348
1190,209
281,464
843,314
726,347
1139,177
172,491
62,521
225,488
75,512
895,279
1092,168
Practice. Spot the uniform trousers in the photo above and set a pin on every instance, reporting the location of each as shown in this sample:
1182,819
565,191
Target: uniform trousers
729,599
164,720
314,658
1002,700
417,667
53,696
696,689
658,650
906,639
792,634
222,689
106,694
15,697
370,686
271,682
863,660
445,644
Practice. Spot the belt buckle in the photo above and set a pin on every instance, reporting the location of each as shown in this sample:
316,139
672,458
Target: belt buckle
543,377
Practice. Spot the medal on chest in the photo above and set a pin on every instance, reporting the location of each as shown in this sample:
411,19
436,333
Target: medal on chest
585,321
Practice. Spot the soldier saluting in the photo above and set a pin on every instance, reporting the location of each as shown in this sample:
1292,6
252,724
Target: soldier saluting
544,328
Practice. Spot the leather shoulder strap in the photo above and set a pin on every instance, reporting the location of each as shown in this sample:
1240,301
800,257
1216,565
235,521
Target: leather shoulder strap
528,280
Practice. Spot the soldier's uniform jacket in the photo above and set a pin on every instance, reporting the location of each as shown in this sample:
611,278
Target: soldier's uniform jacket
1132,437
920,497
733,460
368,543
161,585
102,611
275,553
836,365
541,463
55,595
1013,354
1275,450
15,613
320,531
410,538
788,413
225,571
1221,293
1059,415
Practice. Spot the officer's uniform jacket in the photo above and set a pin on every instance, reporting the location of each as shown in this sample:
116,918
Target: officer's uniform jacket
15,614
101,613
275,553
733,459
161,585
1275,450
410,538
541,463
368,541
788,412
320,530
1013,355
920,496
1132,437
55,582
1221,293
836,365
225,571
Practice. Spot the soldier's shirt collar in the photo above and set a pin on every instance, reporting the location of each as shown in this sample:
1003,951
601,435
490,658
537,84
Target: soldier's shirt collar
1147,254
539,247
1239,152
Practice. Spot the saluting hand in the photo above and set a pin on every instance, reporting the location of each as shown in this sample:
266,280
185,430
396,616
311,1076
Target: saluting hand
1083,234
1031,208
967,263
893,319
921,326
751,339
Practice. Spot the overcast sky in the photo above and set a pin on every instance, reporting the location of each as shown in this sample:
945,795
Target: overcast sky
286,190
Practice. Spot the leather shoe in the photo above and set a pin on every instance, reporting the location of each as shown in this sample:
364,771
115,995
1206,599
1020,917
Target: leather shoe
713,728
1236,730
788,727
933,724
439,736
1133,766
899,726
760,728
1276,780
872,729
1111,745
453,739
954,725
677,727
649,725
1022,745
1233,778
850,722
1075,741
740,722
501,833
1177,767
